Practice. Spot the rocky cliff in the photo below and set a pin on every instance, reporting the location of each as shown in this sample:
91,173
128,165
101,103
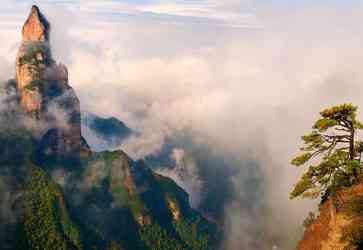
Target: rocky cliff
103,200
43,89
339,225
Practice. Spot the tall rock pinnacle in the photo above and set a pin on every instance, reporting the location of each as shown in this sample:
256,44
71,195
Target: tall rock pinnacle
34,61
36,28
43,89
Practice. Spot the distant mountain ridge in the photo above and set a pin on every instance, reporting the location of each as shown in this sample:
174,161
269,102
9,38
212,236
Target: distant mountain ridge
56,193
111,131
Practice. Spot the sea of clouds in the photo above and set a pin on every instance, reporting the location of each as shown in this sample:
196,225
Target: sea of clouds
234,86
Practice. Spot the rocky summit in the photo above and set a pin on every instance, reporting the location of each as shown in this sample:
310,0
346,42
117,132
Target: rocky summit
56,194
36,28
44,91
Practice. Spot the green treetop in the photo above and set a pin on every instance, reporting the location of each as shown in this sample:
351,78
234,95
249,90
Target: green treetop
336,153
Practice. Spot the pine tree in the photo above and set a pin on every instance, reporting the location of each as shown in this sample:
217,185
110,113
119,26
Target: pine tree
336,153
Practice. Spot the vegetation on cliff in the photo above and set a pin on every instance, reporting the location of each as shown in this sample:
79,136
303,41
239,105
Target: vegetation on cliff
46,221
135,203
35,54
53,196
334,144
106,201
335,176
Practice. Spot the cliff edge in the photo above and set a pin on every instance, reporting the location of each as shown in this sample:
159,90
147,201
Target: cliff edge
44,92
339,225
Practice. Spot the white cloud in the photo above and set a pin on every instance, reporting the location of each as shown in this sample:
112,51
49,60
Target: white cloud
249,93
186,174
213,10
232,13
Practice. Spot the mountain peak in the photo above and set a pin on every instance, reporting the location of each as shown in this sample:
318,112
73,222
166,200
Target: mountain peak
41,84
36,27
35,9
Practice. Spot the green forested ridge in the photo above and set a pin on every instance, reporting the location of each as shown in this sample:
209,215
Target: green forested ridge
135,193
109,202
57,194
110,129
46,221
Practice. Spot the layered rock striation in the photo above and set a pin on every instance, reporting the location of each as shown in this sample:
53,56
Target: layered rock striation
44,91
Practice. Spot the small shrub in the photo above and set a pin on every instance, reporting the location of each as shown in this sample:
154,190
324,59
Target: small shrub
309,219
354,235
353,207
30,56
36,84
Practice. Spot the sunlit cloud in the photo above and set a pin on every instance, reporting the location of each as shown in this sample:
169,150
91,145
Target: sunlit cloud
243,79
212,12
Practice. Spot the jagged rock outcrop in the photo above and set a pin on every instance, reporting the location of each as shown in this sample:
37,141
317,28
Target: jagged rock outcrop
104,200
44,91
339,225
36,28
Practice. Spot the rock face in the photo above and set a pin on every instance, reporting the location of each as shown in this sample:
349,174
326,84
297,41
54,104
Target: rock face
339,225
104,200
44,91
36,28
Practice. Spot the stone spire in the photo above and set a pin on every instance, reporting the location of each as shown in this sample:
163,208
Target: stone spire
33,61
36,27
44,92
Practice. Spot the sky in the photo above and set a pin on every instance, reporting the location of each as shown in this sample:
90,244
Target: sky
228,13
242,78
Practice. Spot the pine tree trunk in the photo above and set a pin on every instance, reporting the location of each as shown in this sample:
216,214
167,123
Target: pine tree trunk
351,144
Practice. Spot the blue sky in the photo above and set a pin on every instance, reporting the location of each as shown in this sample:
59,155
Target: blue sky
234,13
228,12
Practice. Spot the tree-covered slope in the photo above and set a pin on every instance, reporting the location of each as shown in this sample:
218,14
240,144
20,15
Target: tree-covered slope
55,193
107,200
102,132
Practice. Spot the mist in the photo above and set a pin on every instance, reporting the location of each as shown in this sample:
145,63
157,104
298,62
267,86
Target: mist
236,96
